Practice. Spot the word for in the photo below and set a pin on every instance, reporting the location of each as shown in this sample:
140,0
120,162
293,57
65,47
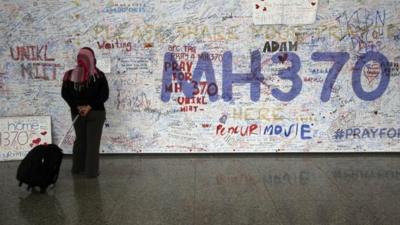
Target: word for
273,46
363,133
116,44
255,78
284,178
35,70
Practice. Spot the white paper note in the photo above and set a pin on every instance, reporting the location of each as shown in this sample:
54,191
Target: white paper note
289,12
104,64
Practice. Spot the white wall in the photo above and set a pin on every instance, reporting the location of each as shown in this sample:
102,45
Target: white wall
358,115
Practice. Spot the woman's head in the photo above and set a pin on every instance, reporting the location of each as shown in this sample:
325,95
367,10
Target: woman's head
87,60
85,67
91,50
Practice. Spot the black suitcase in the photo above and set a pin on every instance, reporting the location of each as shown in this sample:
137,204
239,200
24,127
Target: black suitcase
40,167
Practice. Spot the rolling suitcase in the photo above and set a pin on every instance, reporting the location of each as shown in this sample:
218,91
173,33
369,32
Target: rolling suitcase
41,166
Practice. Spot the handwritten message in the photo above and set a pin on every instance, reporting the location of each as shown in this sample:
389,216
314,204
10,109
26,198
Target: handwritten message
20,134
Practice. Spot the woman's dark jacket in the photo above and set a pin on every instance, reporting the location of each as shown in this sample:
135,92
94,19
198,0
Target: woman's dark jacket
95,93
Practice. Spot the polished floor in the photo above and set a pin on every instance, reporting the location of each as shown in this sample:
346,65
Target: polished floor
214,189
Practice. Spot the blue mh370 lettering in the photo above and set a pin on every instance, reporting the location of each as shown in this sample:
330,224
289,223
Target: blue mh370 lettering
255,77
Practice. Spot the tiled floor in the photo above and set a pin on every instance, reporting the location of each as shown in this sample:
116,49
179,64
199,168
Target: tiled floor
312,189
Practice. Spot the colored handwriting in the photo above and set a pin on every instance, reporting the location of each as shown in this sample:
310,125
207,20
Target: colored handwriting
188,85
127,45
39,63
364,133
13,137
273,46
294,130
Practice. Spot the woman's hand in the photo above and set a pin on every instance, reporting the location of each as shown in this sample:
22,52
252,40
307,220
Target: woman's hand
84,110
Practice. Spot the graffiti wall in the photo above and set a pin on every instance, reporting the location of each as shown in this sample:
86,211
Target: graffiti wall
198,76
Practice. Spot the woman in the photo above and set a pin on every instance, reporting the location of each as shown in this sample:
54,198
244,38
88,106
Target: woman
85,89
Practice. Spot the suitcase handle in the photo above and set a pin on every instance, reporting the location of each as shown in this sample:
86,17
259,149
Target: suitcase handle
69,129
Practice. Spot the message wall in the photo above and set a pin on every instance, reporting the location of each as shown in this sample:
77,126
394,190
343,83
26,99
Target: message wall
200,77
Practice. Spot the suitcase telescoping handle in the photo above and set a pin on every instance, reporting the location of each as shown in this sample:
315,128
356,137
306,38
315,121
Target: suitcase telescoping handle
69,129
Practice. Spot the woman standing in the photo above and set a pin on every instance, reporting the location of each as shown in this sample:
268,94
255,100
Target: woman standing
85,89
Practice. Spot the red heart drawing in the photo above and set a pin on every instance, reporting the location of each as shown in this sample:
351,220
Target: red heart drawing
36,141
43,133
372,71
283,57
257,6
265,9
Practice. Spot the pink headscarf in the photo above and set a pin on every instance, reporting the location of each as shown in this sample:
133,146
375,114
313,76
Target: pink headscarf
84,69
